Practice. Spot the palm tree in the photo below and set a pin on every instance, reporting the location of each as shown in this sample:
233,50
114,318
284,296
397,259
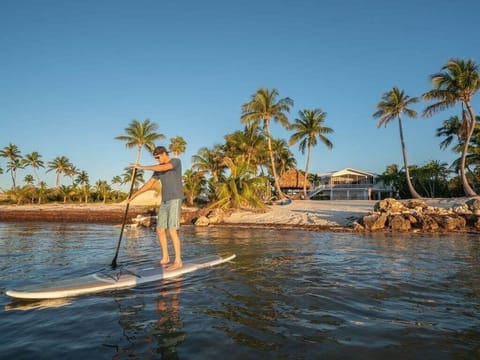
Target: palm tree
12,153
392,176
393,104
128,174
451,130
103,189
241,186
209,161
28,179
42,191
141,135
250,142
457,82
178,145
284,159
66,191
308,128
34,160
61,165
71,172
83,180
193,184
263,107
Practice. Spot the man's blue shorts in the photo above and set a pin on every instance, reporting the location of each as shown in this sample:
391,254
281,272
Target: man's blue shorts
169,214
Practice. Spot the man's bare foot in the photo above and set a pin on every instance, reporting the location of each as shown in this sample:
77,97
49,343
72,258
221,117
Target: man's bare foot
175,266
165,261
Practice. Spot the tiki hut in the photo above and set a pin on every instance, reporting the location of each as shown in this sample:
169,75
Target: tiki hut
292,181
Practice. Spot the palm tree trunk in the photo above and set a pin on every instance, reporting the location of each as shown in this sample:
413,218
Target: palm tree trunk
466,186
272,161
414,194
306,173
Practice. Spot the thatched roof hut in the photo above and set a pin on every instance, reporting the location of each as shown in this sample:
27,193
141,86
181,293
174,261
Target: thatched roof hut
293,179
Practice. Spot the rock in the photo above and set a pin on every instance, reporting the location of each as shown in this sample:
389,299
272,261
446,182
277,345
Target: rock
416,204
390,205
428,223
451,223
141,220
215,216
399,223
477,224
375,221
415,215
474,206
358,227
462,210
202,221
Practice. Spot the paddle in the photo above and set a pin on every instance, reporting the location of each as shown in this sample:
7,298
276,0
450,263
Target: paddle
114,261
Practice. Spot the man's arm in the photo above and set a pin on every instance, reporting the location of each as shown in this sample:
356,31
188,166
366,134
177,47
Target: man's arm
151,184
156,167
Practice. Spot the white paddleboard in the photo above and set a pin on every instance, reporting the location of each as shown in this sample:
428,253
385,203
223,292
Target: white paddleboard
111,280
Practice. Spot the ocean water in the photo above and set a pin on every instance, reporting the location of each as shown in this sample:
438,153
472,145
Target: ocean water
288,295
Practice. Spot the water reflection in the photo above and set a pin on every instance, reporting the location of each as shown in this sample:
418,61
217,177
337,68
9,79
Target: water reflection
168,332
152,325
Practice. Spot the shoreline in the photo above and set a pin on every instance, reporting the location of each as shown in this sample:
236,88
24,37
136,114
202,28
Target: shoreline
314,215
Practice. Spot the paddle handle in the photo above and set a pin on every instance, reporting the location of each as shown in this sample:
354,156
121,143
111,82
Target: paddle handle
114,261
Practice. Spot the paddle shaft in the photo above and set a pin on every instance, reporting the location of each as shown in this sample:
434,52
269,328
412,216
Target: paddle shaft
114,261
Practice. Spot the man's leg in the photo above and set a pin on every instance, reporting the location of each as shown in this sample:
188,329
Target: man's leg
162,239
178,249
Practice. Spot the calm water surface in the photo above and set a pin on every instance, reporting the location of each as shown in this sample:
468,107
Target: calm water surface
287,295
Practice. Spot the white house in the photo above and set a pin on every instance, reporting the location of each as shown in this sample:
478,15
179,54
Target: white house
350,184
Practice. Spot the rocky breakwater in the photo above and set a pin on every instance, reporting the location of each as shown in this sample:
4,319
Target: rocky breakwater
415,215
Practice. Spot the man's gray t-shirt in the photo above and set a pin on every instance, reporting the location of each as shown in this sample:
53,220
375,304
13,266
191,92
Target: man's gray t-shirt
171,181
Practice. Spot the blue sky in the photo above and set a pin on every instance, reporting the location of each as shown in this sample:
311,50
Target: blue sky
74,74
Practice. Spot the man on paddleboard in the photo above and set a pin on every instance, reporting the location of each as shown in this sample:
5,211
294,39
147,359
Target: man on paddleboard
168,172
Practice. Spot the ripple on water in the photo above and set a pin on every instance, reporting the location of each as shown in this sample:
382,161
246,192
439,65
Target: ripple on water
288,294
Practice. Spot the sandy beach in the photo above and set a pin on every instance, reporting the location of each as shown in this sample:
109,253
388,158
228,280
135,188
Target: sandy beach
299,213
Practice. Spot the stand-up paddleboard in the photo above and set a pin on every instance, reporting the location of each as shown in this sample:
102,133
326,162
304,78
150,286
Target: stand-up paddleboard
111,280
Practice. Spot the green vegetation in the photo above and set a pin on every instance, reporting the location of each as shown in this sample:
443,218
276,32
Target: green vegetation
245,169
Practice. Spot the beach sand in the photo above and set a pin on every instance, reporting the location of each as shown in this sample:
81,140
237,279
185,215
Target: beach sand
317,213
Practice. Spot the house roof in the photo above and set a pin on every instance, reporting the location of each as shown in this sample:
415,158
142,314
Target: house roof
293,179
347,171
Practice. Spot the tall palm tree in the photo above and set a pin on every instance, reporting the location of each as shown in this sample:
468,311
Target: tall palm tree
34,161
61,165
393,104
264,107
141,135
309,129
178,145
457,82
12,153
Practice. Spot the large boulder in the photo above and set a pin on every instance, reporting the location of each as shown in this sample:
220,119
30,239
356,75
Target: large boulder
375,221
